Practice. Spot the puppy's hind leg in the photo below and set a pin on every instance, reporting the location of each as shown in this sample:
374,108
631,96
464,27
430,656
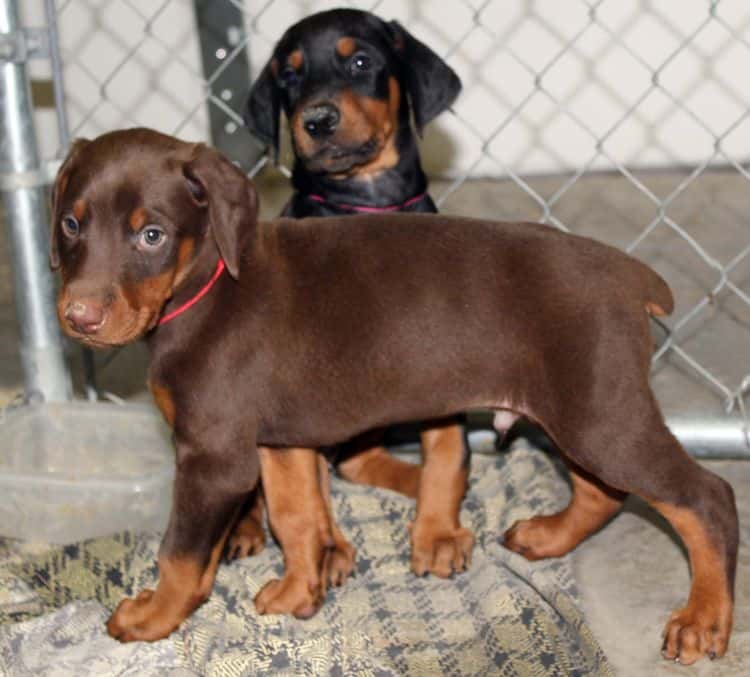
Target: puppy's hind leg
639,455
701,508
592,504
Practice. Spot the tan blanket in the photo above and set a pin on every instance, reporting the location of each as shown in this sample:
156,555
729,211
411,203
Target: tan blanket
505,616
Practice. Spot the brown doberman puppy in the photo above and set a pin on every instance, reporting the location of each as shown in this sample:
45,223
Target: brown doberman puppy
292,333
350,85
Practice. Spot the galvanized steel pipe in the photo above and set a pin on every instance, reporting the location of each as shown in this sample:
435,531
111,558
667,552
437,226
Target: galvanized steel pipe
26,217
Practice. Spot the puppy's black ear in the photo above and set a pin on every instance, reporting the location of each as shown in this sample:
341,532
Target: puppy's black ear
432,84
220,187
263,108
58,188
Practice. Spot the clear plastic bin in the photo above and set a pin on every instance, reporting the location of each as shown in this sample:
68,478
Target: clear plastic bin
78,470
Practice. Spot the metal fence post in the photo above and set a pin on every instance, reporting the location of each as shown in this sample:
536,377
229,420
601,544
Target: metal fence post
22,188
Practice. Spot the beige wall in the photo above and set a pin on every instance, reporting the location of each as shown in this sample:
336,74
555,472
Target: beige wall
542,83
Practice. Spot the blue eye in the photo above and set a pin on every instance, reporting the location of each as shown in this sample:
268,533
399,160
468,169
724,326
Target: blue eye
151,237
70,227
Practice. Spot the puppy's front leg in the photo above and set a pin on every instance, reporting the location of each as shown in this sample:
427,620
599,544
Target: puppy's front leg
295,485
440,545
209,489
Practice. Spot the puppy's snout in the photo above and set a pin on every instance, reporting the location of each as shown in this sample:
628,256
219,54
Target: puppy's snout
321,119
86,316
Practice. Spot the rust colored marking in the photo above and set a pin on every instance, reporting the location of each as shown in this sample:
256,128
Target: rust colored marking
137,219
378,468
248,536
591,505
151,292
296,59
439,544
381,119
163,400
444,475
79,208
183,586
654,309
299,518
703,626
303,144
346,46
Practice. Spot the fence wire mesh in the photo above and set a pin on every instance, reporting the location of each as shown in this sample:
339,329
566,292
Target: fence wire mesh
637,109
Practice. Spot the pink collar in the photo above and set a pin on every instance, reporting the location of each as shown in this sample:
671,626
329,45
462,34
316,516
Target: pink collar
192,301
362,209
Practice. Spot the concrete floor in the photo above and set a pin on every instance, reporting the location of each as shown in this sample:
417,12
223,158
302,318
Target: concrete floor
634,572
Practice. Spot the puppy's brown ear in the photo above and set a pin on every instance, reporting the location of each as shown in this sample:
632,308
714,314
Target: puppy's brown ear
264,107
58,189
220,187
432,84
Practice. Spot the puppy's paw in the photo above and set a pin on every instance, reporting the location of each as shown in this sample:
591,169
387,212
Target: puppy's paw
339,562
142,619
537,538
290,595
442,552
248,538
692,633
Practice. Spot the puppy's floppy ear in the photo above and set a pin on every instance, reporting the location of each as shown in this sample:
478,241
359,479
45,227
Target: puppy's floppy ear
58,188
432,84
264,107
220,187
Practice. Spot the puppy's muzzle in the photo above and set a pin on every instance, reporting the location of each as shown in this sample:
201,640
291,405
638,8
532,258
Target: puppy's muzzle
85,316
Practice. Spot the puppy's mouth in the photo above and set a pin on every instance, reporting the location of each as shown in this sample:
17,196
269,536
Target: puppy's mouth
336,158
117,327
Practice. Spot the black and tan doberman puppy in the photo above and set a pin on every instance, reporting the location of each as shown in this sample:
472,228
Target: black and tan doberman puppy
300,333
349,83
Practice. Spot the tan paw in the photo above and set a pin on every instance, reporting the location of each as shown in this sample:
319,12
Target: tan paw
442,552
537,538
693,633
339,562
290,595
248,538
143,619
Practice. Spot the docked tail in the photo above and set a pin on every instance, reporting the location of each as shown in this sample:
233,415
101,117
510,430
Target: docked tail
659,299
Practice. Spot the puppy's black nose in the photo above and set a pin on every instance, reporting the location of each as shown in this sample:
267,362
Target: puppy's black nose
85,316
321,119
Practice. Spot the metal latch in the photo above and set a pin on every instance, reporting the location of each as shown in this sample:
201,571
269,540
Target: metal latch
22,45
32,178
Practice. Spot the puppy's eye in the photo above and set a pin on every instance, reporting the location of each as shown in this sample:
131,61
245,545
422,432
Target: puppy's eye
360,63
289,77
151,237
70,227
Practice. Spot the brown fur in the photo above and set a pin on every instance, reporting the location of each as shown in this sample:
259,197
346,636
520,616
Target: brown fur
342,306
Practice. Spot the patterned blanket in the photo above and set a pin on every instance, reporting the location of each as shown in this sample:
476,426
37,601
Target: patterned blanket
505,616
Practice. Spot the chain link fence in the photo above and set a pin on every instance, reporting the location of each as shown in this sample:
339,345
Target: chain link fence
625,120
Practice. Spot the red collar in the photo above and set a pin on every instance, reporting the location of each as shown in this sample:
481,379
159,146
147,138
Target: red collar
192,301
363,209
